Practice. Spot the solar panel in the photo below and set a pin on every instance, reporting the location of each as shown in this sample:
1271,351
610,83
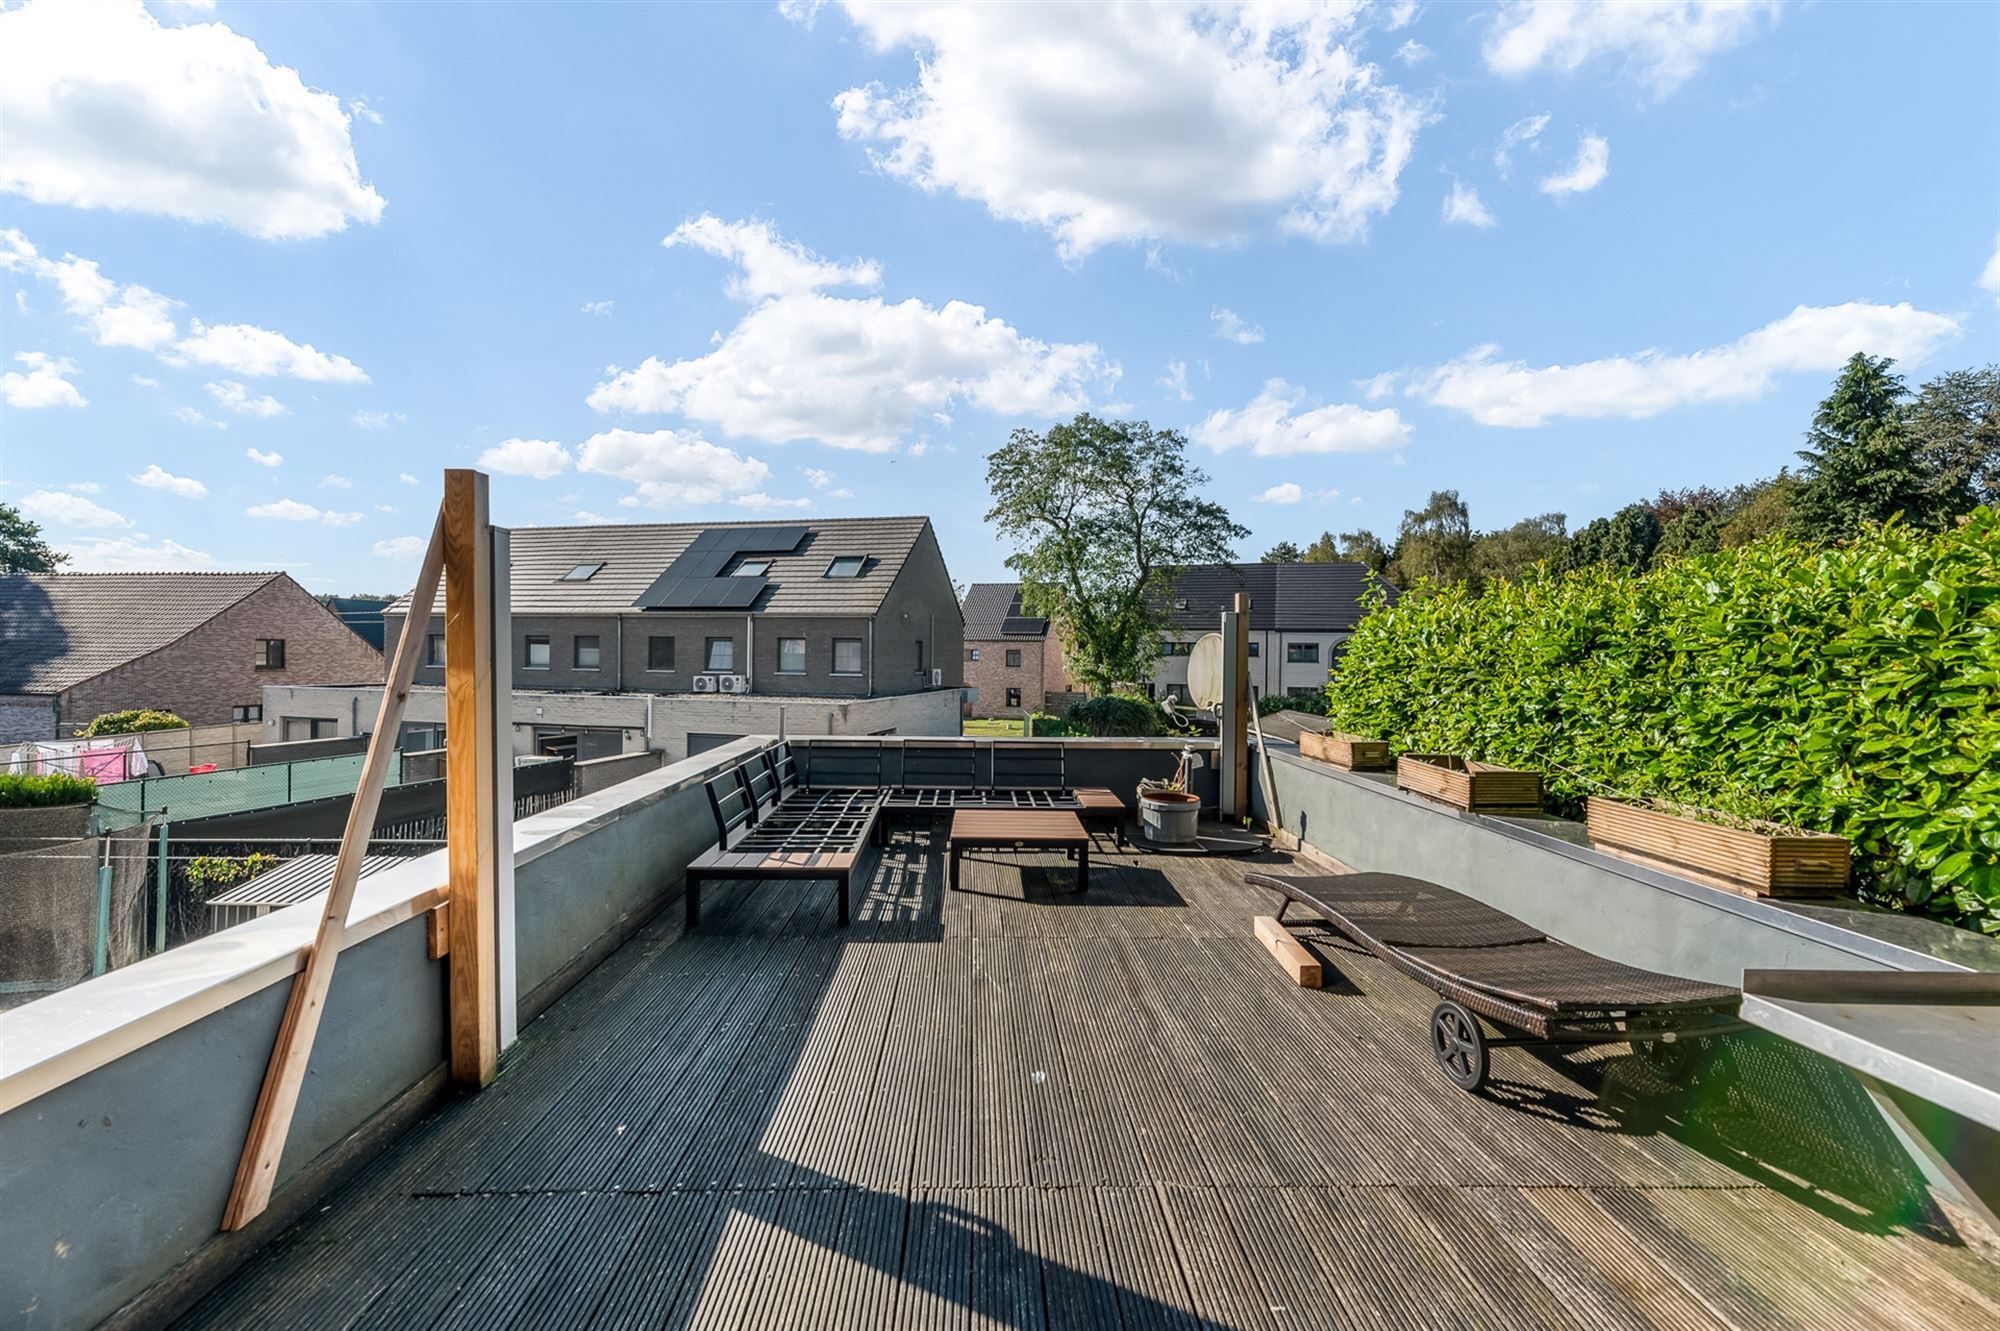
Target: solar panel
697,579
1024,625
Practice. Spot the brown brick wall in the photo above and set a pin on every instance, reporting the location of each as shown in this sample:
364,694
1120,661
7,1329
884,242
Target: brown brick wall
213,669
992,676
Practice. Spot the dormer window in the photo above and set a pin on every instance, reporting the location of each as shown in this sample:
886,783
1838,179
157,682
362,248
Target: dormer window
751,568
846,566
581,573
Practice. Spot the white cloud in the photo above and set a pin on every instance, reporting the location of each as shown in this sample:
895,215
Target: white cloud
244,349
387,508
400,547
598,307
539,458
1400,15
1175,380
816,477
1273,426
141,381
340,519
1811,339
141,318
1289,492
597,519
407,479
1989,279
107,108
1592,165
237,398
85,487
284,510
761,502
1111,123
189,416
1661,43
70,510
156,477
1414,52
671,467
334,481
46,384
377,420
262,458
124,554
1230,326
855,372
361,110
842,493
21,303
1524,131
1376,387
769,264
1464,207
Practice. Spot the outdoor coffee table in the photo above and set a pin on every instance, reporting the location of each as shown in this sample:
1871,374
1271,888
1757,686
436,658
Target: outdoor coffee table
1010,829
1096,804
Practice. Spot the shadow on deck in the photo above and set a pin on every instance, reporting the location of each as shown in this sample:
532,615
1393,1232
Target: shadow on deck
979,1110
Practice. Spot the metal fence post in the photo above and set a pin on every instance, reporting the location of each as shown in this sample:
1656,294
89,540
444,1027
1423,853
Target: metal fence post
160,909
101,962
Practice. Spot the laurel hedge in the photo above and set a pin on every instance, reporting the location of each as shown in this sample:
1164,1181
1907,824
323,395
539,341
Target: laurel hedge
1853,690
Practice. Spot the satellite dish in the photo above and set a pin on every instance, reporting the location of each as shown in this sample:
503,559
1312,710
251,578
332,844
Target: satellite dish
1205,671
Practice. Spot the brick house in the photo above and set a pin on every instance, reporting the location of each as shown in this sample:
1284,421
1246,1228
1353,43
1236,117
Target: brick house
1013,663
203,645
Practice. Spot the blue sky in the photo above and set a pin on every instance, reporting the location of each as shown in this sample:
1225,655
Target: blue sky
715,263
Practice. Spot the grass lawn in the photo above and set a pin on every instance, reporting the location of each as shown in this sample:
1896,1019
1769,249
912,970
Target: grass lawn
991,728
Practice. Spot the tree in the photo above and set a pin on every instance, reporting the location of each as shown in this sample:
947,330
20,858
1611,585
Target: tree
22,549
1670,504
1321,551
1765,507
1511,553
1954,426
1861,465
1363,547
1435,543
1103,515
1284,552
1694,531
1625,540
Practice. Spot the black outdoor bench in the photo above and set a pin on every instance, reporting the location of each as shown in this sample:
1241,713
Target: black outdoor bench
765,829
1483,962
941,778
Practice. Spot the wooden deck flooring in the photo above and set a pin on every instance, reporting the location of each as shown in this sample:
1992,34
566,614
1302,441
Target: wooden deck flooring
977,1110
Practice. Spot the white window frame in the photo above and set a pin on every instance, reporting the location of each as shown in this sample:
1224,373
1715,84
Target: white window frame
860,657
782,668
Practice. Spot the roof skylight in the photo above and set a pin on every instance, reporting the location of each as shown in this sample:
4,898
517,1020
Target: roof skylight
581,573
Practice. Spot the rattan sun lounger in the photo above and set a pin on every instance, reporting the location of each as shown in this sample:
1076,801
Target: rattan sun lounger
1485,963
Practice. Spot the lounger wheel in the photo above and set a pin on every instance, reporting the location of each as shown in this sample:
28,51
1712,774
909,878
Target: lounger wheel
1459,1046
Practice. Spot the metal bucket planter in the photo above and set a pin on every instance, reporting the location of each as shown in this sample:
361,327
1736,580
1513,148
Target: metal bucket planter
1169,817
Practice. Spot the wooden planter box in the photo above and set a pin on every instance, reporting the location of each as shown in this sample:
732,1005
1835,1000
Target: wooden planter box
1765,859
1478,787
1349,751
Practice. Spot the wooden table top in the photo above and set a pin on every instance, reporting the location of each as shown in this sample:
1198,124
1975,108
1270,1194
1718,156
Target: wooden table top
1098,797
1044,826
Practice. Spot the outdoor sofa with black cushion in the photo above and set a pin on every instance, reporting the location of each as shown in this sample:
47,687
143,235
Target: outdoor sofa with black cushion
1484,963
767,828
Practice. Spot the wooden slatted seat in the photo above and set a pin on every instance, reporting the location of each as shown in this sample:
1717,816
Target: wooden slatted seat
767,828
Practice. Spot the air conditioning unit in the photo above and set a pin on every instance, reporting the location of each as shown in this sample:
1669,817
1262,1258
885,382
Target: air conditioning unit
734,683
937,678
704,683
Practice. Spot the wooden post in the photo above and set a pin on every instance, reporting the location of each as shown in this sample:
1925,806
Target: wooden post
471,827
1233,771
271,1121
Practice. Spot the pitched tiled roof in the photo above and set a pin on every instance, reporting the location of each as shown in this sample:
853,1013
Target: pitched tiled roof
635,554
59,629
989,608
1284,598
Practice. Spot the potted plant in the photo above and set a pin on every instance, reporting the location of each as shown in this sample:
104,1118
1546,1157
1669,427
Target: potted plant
1748,854
1351,752
1478,787
1168,810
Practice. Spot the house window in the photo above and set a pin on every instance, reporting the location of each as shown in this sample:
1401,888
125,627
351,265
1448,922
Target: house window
270,653
847,656
791,656
1254,644
1176,648
581,573
584,651
659,652
920,656
1014,658
248,712
308,727
1302,653
1013,698
538,651
434,649
752,568
972,653
846,566
722,655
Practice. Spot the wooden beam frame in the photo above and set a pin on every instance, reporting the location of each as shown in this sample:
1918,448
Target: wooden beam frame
278,1099
472,826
